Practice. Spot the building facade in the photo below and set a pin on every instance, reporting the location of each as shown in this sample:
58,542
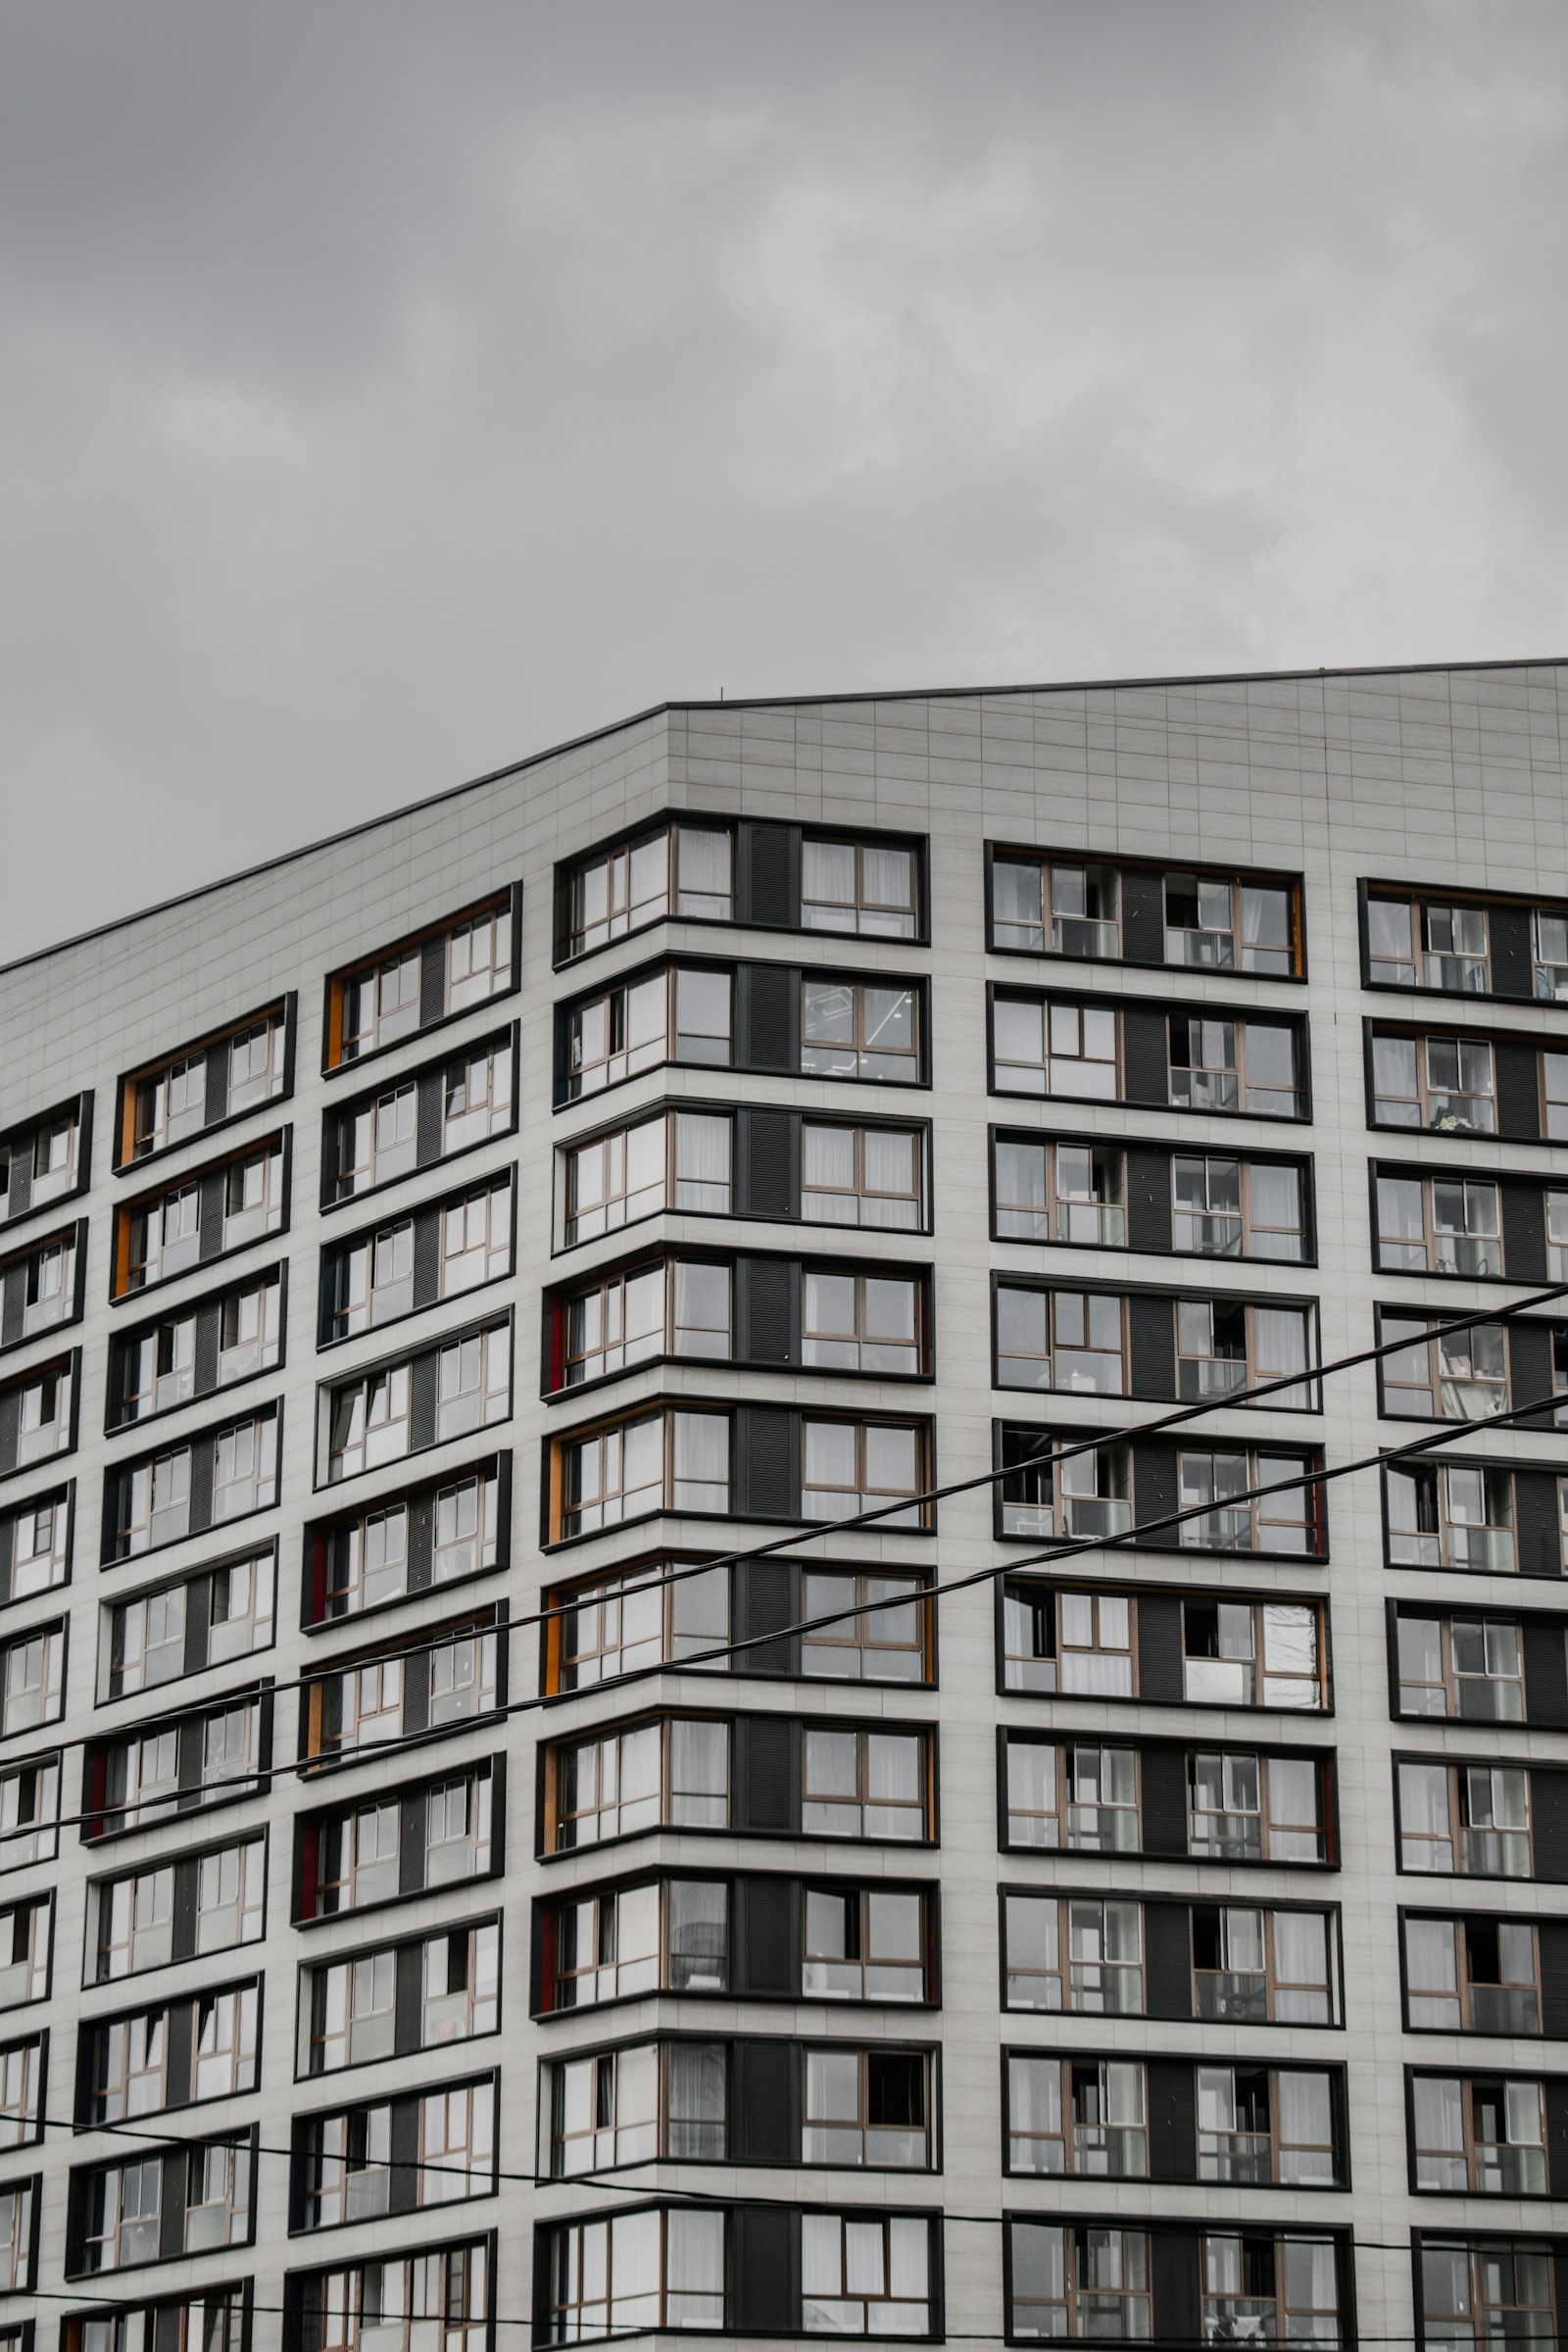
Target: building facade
488,1856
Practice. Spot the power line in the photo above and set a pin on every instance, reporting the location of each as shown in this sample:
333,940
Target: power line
1450,1431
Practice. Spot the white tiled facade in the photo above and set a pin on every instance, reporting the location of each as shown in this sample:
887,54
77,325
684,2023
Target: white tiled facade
1449,781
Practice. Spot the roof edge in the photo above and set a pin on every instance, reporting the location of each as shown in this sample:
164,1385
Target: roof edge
763,702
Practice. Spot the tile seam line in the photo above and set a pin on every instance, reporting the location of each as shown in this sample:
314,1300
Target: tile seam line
775,701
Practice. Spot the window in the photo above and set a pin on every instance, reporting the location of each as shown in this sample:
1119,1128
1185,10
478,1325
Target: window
1252,1653
123,2215
40,1162
865,2275
378,1143
1438,1225
1225,1206
392,996
29,1815
349,2008
1069,1340
644,2100
1078,1796
677,1160
866,2107
854,1466
671,1773
1222,1483
17,2219
1428,943
673,1306
864,1943
859,1029
1443,1375
1225,1347
373,1280
169,1105
1056,910
1074,1952
685,870
887,1645
1231,1065
1262,2127
1551,939
1263,2288
1482,2133
38,1538
866,1176
201,1086
681,1012
21,2076
1471,1668
1247,1807
1087,1493
635,1618
1050,1045
1088,2117
1447,1084
473,1381
24,1942
1253,1966
666,1935
371,1420
862,1322
1082,2284
1215,924
475,1239
347,2166
476,1097
364,1561
1076,1644
632,2272
663,1460
143,1640
1491,2290
1464,1819
163,1235
42,1411
859,886
47,1286
33,1670
1074,1192
438,2299
858,1783
1471,1974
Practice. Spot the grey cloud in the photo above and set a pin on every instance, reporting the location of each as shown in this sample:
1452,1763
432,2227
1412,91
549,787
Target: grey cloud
390,390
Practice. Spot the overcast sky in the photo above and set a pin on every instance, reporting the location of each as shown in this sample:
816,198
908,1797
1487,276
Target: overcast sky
389,391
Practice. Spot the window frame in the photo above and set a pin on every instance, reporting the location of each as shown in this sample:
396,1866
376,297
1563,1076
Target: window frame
615,1274
1290,879
1456,1769
305,2036
335,1252
487,1329
341,976
1470,2078
1431,1244
126,1160
23,1135
280,1148
72,1237
65,1368
122,1343
1465,1983
1056,1585
1419,894
1298,1023
60,1500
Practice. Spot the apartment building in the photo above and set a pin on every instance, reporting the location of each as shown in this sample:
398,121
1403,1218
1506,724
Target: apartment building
699,1631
